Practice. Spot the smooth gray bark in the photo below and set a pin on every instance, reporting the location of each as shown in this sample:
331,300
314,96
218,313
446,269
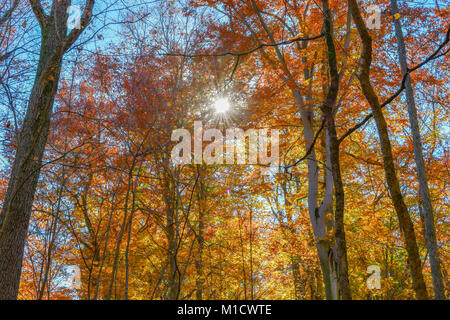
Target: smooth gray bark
318,213
430,233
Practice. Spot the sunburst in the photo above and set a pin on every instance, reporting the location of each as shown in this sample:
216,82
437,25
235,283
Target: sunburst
222,106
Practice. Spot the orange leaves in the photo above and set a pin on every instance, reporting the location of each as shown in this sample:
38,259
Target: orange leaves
120,197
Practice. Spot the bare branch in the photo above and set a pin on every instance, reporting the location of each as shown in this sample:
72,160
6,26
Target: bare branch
310,149
433,56
9,12
244,53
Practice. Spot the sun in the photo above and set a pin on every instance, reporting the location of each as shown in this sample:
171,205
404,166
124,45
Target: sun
222,105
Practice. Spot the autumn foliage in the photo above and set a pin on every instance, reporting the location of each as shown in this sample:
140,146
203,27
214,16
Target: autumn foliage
110,201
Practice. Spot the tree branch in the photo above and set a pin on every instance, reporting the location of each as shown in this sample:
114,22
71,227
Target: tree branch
433,56
310,149
243,53
39,13
9,12
85,19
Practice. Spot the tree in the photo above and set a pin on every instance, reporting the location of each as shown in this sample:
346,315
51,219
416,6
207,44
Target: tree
329,110
405,222
111,202
18,202
430,233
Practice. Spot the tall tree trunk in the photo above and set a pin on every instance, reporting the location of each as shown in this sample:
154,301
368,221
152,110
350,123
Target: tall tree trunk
123,227
25,173
405,222
317,213
130,226
252,280
199,236
17,206
430,233
244,270
299,282
172,252
172,238
105,247
53,236
329,110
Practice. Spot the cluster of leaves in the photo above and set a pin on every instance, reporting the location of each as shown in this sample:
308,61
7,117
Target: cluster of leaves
111,202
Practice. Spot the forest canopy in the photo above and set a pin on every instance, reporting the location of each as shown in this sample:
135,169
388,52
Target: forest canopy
224,149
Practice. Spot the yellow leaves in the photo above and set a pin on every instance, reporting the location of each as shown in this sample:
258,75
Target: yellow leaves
329,217
114,107
296,36
330,233
307,82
